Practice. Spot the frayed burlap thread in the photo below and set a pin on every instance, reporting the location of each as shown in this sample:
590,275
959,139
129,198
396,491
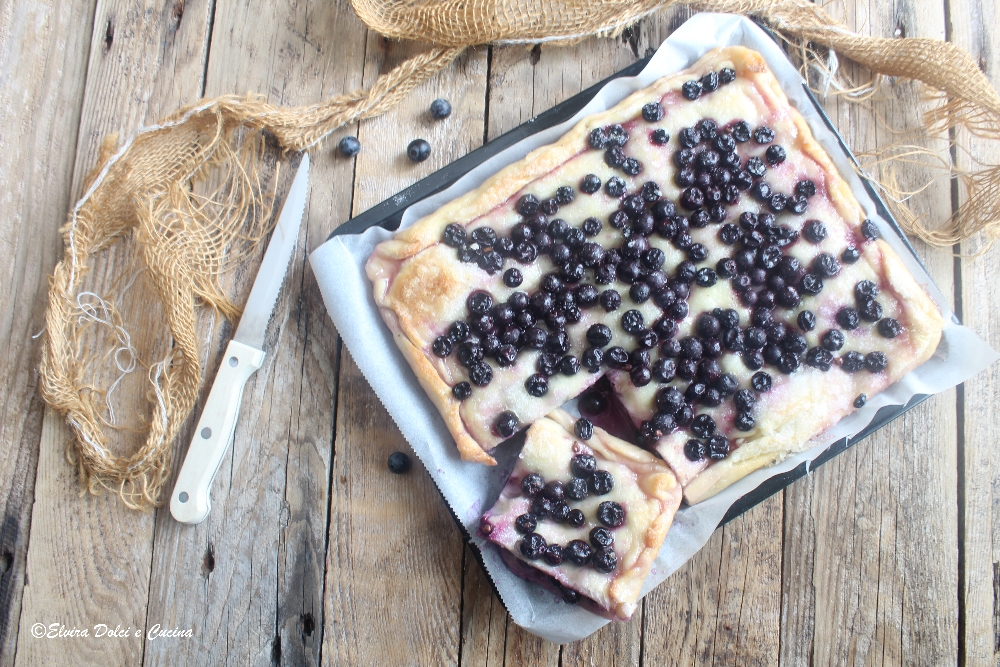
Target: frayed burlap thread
145,187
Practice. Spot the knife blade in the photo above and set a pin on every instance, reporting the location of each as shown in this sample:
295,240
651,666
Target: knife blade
191,499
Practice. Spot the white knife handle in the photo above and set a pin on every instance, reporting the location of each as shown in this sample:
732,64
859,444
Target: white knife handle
191,498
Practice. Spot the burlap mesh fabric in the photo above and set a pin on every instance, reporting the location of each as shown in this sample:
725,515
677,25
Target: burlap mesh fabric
146,187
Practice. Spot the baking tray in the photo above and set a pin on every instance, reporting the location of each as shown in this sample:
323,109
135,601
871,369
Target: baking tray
389,213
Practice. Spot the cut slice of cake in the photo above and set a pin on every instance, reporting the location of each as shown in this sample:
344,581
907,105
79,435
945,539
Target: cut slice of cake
584,513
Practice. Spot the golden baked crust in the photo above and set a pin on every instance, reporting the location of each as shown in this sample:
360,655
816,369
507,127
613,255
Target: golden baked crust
419,286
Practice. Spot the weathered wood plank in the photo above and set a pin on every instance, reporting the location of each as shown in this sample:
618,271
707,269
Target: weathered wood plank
524,648
747,630
255,593
43,62
798,595
722,606
484,619
681,614
394,567
868,565
555,73
870,541
614,644
979,460
90,558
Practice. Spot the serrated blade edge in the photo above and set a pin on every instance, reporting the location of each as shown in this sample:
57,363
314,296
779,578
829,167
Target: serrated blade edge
271,274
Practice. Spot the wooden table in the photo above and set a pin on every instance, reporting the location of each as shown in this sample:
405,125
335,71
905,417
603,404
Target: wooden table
313,552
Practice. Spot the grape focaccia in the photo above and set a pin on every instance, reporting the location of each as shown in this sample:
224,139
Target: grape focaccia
694,243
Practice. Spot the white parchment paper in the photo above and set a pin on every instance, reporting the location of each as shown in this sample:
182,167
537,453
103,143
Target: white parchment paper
470,488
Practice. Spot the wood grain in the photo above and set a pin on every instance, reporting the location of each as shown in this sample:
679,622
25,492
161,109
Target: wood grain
799,566
43,59
394,564
394,567
614,644
250,578
524,648
681,613
484,619
870,542
979,460
553,74
314,552
722,606
92,555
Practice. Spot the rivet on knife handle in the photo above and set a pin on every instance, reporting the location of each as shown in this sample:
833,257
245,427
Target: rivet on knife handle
191,501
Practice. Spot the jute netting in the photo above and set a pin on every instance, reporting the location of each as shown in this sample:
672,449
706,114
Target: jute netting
147,189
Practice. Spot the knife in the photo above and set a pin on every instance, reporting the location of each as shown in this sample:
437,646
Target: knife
191,499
